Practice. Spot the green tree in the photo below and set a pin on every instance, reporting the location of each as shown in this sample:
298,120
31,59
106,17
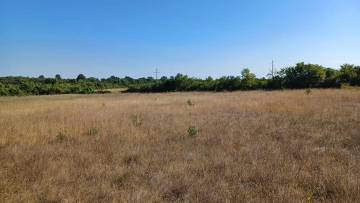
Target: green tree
57,77
303,76
81,77
248,79
350,73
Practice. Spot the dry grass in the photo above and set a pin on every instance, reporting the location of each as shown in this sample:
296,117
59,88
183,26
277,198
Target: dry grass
281,146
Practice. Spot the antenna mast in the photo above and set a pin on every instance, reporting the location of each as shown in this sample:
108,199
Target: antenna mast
272,69
156,73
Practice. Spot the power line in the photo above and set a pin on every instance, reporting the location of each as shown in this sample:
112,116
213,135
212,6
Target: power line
156,73
272,71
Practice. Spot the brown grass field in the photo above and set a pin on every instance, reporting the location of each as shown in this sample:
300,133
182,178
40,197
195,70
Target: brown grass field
256,146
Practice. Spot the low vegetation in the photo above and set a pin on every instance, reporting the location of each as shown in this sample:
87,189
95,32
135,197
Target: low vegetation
248,146
300,76
19,86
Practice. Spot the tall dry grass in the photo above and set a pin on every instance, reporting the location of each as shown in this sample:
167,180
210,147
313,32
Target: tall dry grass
280,146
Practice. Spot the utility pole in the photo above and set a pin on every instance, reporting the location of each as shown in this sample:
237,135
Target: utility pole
272,69
156,73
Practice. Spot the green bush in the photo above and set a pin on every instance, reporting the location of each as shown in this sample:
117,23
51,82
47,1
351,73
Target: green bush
192,131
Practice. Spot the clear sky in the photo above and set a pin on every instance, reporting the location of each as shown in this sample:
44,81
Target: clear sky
196,37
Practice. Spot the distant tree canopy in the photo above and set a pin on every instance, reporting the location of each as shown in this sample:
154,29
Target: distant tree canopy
81,77
57,77
299,76
17,86
303,76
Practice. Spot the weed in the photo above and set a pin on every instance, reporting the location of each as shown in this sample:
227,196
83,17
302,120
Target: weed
192,131
175,193
92,132
131,160
190,103
121,180
136,120
61,137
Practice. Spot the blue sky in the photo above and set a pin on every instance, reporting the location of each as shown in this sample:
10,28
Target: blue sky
196,37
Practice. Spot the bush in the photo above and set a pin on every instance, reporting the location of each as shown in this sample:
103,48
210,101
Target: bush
61,137
192,131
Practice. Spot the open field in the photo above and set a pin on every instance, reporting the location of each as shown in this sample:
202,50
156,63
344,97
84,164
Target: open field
279,146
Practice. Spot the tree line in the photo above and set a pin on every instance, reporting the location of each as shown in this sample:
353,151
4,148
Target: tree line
19,86
299,76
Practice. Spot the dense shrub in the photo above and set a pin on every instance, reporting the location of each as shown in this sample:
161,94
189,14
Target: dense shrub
17,86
